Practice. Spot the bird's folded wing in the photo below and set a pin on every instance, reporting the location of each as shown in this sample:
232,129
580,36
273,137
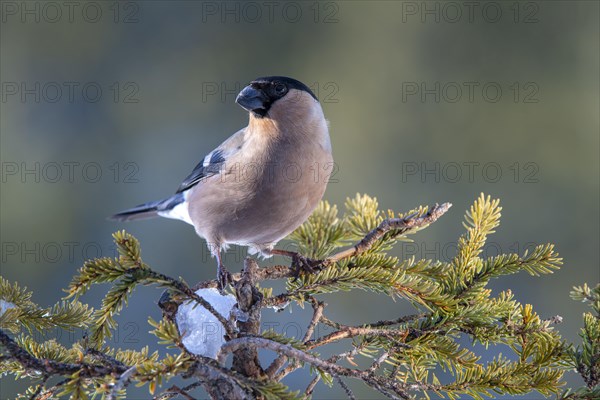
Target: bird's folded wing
214,161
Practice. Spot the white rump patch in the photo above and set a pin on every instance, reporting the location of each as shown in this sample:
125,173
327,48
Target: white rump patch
180,211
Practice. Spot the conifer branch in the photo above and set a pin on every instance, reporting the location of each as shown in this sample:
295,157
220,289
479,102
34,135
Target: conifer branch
399,226
48,393
346,331
346,388
191,294
246,360
175,391
452,299
318,308
376,382
397,321
51,367
121,383
311,386
102,357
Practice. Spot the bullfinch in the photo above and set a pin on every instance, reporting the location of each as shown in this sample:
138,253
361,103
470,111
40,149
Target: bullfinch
262,182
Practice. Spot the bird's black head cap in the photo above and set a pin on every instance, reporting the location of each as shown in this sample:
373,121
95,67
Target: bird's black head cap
291,83
262,92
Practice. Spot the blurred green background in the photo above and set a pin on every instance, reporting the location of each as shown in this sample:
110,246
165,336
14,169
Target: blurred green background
106,105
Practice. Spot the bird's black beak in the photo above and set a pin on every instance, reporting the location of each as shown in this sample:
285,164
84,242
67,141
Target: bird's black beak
253,100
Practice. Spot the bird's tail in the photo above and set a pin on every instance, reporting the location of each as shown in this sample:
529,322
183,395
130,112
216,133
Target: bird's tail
143,211
149,210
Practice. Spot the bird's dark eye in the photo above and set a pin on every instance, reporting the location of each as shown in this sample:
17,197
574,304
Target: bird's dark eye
280,88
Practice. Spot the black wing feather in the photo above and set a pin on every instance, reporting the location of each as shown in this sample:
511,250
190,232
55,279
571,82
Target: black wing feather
203,170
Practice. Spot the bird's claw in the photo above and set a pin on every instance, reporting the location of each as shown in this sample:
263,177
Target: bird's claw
224,278
304,264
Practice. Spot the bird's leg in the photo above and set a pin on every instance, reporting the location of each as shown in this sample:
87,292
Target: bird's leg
299,262
223,276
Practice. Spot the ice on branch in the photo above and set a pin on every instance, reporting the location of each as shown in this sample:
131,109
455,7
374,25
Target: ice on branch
201,332
5,305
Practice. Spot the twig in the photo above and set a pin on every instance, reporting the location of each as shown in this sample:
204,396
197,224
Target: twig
48,393
317,314
121,383
397,226
333,359
318,308
378,362
394,373
51,367
281,348
104,357
40,387
397,321
345,331
311,386
379,383
400,225
346,388
186,290
176,390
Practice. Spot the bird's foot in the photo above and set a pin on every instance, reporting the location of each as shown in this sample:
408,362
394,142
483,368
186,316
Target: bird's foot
301,264
223,278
